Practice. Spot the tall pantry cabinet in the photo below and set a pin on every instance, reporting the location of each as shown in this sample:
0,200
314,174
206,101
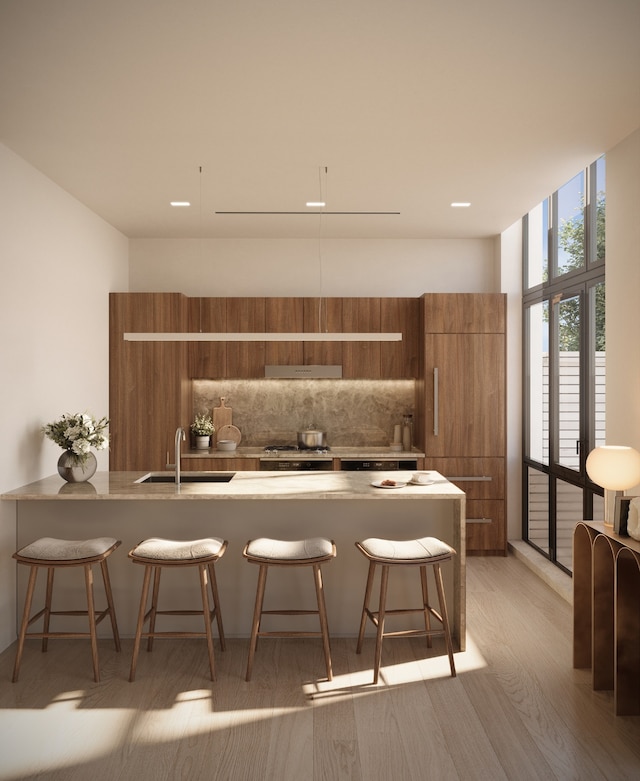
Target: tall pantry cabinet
461,406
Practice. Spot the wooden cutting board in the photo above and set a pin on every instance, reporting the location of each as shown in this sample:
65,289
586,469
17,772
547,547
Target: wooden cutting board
222,415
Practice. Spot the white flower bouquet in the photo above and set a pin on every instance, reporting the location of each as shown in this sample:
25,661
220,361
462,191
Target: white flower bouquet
78,434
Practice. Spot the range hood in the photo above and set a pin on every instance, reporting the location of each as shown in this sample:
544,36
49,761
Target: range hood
303,372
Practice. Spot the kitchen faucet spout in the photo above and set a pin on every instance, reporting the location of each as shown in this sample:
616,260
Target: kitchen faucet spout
180,437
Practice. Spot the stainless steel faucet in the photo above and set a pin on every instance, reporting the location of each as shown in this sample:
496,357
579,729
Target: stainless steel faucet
180,437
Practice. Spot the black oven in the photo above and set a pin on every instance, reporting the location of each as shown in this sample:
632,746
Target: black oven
377,465
295,464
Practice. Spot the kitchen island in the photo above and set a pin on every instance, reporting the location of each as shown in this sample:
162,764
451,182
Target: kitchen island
343,506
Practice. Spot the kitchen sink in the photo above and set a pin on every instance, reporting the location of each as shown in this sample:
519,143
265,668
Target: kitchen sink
199,477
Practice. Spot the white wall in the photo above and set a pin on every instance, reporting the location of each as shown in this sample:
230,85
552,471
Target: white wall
623,293
59,261
299,267
510,253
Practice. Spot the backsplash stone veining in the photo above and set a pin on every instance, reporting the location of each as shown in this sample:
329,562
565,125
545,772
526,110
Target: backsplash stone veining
353,413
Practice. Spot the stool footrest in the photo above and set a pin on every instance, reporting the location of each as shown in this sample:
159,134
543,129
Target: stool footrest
289,634
290,612
147,635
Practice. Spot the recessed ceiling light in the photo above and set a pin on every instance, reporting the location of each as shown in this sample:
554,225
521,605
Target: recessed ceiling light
460,204
180,203
316,203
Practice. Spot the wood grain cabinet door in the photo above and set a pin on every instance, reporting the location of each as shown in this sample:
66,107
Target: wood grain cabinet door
322,315
246,360
147,401
284,315
207,359
361,360
400,360
471,313
464,394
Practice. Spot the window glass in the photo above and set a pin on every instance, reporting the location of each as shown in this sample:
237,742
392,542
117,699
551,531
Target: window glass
570,238
538,509
568,513
596,306
538,245
600,209
567,383
538,391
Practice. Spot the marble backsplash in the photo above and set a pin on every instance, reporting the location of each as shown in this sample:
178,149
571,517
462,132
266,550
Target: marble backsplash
353,413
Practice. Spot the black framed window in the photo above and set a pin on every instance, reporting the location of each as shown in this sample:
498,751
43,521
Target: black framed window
564,350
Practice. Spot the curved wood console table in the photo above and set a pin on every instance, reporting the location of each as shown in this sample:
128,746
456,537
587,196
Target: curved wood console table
606,613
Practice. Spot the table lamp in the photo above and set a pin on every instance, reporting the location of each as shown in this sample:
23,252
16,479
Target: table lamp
615,468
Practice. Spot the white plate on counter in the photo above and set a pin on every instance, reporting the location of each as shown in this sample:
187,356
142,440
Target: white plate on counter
380,484
421,482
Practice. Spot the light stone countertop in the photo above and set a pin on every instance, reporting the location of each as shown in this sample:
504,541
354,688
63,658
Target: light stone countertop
334,452
243,485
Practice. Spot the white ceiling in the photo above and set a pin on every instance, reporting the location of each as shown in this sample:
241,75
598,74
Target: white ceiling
409,104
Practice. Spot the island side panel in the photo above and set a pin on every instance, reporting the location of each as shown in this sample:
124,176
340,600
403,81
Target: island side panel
237,521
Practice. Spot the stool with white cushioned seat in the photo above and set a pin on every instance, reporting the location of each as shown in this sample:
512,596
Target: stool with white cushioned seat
289,553
427,551
156,553
53,553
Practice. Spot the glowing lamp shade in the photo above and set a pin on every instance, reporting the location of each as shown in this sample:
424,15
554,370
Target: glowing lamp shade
615,468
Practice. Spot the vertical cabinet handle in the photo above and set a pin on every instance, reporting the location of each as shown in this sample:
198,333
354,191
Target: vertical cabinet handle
436,416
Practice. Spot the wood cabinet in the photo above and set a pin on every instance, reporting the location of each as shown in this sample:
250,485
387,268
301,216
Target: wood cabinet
246,359
464,394
322,315
361,359
284,315
461,406
400,360
606,620
148,390
220,464
483,481
207,315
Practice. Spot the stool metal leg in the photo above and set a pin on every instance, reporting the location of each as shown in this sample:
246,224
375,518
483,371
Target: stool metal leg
324,624
257,615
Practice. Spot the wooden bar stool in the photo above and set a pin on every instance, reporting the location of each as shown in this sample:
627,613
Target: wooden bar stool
51,553
283,553
156,553
403,553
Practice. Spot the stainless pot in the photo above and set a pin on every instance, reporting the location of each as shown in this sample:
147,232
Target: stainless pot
311,438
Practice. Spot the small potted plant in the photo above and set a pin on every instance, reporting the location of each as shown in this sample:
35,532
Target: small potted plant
202,428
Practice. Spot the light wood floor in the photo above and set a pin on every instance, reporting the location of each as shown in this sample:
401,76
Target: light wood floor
517,709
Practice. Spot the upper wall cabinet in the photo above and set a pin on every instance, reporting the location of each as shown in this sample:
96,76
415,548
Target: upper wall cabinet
459,313
360,360
322,315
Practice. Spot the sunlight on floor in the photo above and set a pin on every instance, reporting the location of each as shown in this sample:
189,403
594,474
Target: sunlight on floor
78,733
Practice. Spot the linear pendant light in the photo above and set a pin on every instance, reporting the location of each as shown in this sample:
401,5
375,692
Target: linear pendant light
270,336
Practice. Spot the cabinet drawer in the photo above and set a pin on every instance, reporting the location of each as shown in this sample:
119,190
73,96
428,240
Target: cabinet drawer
486,527
220,464
479,478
